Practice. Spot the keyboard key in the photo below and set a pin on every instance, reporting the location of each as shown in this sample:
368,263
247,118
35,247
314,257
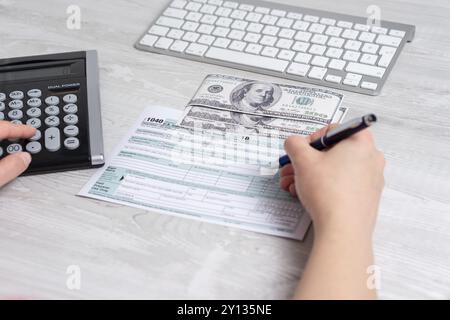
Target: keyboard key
287,33
333,31
351,55
317,28
337,64
230,4
361,27
319,39
367,36
163,43
208,9
37,136
317,49
15,104
255,27
52,110
284,23
270,52
252,37
221,42
303,36
70,119
33,147
15,114
253,48
278,13
148,40
385,60
345,24
334,53
208,40
175,13
178,4
328,21
2,96
317,73
218,32
300,46
369,58
286,55
158,30
193,6
179,46
71,131
52,139
34,102
310,18
336,42
70,108
353,45
52,100
52,121
388,40
71,143
34,122
247,59
195,17
70,98
379,30
170,22
34,93
237,45
270,30
284,44
301,25
34,112
262,10
333,78
196,49
298,69
365,69
253,17
397,33
319,61
268,41
350,34
16,95
352,79
303,58
369,85
370,48
2,106
13,148
224,22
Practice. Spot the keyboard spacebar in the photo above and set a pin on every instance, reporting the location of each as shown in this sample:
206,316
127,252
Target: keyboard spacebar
247,59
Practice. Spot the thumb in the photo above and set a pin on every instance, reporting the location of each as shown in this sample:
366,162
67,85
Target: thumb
13,165
299,151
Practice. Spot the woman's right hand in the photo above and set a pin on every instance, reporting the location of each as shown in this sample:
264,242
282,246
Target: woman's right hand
339,187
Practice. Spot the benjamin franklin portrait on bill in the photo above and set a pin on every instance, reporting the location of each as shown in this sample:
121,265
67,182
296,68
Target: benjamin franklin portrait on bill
255,96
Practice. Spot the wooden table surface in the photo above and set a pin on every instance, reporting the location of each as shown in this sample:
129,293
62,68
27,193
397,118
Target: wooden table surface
124,252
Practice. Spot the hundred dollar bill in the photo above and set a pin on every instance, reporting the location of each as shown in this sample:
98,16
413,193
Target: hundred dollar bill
228,121
267,99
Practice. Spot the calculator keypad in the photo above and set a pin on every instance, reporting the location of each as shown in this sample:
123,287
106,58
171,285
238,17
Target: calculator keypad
56,130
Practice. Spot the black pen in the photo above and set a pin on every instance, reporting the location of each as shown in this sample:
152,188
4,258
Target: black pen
337,134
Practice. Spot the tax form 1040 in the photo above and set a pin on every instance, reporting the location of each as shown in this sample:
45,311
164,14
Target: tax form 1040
213,177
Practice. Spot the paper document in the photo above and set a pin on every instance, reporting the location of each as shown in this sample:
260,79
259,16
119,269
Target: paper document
216,178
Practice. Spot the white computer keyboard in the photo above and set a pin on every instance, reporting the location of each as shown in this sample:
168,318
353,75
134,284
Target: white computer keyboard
318,47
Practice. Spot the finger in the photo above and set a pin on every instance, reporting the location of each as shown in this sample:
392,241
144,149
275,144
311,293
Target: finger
299,150
285,182
287,170
293,191
319,133
10,130
13,165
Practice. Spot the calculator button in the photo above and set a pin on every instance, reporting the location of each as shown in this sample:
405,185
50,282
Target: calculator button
70,98
52,111
2,106
52,100
71,143
16,104
16,122
16,95
34,112
13,148
52,121
2,96
2,116
36,136
33,147
71,131
1,151
34,102
15,114
52,139
71,119
34,93
70,108
34,122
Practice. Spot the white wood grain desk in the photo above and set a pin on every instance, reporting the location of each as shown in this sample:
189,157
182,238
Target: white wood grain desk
129,253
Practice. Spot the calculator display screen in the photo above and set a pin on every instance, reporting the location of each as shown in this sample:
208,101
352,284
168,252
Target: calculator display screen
40,71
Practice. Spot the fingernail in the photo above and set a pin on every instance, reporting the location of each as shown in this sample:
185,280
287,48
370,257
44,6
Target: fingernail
25,157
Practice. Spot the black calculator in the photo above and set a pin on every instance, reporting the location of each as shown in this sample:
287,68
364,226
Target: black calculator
58,94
